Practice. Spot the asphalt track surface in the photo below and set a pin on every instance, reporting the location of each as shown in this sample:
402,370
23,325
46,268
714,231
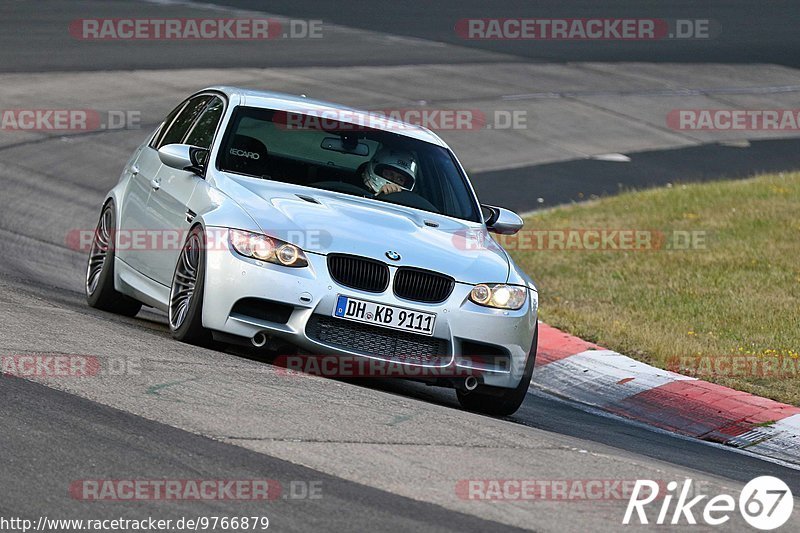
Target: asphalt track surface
747,33
744,31
388,455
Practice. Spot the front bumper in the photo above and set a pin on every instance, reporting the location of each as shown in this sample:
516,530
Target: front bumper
460,324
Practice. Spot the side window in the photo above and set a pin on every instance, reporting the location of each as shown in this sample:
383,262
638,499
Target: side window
184,120
167,121
202,132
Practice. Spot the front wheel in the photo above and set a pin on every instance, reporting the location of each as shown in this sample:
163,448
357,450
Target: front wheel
186,293
496,401
100,292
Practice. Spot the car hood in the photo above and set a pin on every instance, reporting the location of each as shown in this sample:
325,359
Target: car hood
326,222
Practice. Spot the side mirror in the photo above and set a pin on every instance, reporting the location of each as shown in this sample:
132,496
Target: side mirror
501,220
184,157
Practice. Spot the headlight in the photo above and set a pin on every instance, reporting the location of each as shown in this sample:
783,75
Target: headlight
499,295
267,249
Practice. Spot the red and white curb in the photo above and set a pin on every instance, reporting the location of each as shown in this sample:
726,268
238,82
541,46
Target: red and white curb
572,368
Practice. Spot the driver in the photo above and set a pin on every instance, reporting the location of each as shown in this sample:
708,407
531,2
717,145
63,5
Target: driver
390,171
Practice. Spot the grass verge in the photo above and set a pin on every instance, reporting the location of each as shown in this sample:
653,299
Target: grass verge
715,293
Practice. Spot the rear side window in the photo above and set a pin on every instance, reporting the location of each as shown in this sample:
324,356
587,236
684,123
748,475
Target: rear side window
202,133
181,124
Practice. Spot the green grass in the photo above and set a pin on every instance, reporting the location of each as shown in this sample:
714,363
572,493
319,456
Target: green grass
739,295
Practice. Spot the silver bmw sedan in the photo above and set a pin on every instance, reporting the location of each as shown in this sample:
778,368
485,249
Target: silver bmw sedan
289,223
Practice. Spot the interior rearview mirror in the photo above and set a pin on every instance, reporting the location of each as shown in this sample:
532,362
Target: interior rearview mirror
345,145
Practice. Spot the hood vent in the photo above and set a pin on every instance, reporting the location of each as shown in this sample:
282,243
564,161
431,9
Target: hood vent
309,199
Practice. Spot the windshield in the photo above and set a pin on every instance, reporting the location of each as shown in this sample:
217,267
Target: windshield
347,158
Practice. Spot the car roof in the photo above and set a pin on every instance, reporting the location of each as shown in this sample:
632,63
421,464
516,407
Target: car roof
300,104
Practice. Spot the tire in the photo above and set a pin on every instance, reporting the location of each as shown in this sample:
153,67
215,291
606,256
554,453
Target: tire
497,401
186,292
99,286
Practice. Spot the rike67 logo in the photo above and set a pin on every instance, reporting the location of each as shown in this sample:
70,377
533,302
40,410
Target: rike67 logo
765,503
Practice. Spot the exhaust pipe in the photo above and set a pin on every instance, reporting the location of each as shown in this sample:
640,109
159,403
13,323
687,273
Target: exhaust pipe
470,383
259,340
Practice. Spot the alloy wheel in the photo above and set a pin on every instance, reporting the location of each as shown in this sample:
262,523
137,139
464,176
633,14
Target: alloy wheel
99,251
184,282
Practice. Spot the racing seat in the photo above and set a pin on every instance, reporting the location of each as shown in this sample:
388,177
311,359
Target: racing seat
247,155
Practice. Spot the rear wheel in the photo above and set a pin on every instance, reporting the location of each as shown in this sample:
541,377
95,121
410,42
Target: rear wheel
186,293
497,401
100,292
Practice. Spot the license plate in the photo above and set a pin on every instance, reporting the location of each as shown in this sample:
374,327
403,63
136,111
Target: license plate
387,316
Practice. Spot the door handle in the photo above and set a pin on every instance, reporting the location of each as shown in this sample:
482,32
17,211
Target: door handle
155,183
134,170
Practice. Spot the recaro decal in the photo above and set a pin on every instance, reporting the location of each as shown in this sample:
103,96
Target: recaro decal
242,153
